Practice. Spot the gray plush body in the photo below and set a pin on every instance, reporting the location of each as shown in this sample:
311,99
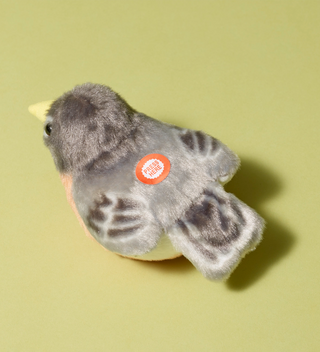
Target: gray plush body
95,136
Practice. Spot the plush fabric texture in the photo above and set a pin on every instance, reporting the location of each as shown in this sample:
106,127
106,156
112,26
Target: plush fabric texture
96,137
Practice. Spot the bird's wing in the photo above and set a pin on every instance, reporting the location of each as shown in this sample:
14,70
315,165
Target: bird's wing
220,162
121,223
216,232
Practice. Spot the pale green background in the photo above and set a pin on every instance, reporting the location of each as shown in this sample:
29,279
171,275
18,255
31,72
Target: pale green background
246,72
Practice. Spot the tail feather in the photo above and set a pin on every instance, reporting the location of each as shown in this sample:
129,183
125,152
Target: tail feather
216,232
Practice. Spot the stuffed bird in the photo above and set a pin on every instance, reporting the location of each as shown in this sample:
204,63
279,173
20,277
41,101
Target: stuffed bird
139,184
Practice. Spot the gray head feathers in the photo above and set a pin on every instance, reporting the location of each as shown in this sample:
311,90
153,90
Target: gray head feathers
85,122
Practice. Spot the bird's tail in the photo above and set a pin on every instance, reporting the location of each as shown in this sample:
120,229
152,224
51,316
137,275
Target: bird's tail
216,232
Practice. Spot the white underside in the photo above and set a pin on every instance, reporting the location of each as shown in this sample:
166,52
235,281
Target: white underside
164,250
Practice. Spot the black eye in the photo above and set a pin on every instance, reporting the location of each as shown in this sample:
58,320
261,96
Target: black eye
48,129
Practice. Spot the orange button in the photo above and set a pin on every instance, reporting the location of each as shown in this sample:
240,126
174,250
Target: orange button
152,169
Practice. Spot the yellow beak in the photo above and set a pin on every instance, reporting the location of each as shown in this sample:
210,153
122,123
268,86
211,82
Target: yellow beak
39,110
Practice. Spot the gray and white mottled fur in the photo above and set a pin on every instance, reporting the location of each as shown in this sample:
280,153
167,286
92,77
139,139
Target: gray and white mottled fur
98,139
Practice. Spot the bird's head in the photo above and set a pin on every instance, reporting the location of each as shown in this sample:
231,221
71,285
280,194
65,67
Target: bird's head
83,123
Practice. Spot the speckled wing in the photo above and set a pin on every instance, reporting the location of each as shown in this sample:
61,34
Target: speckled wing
220,162
121,223
216,232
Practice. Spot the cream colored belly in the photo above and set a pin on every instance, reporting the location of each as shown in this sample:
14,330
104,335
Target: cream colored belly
163,251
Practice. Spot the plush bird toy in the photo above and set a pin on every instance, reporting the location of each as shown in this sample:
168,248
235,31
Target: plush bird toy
147,189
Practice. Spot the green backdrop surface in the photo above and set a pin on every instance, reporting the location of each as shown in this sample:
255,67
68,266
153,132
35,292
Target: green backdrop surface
246,72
